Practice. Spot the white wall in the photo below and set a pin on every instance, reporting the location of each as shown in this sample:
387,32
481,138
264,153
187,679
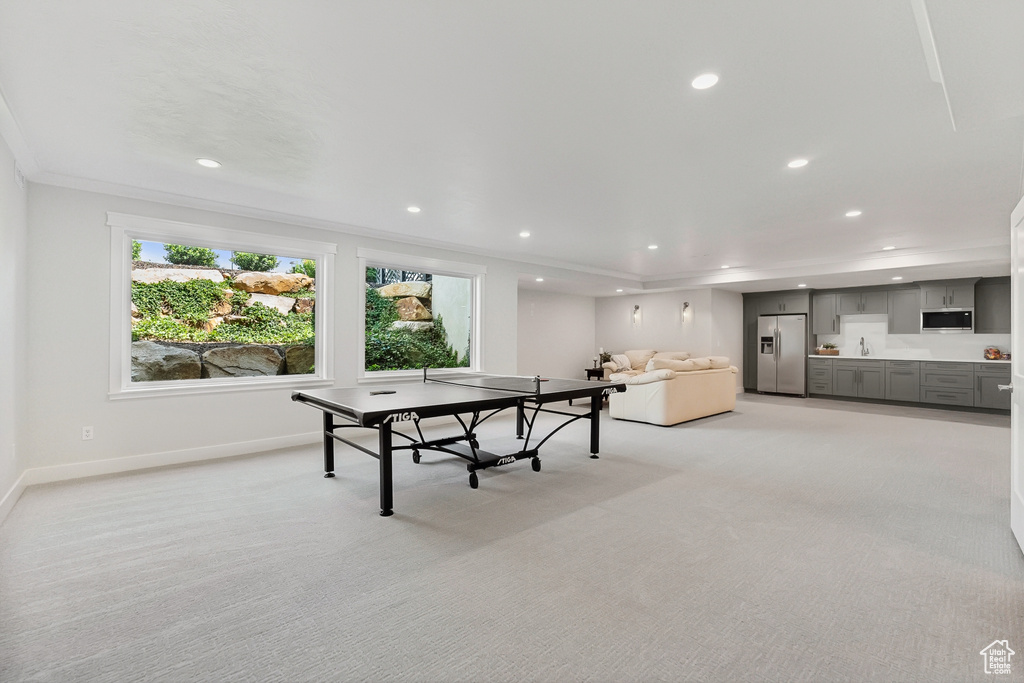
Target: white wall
715,327
555,334
13,271
68,318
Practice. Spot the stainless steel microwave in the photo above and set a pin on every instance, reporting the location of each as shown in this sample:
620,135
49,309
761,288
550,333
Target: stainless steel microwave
947,320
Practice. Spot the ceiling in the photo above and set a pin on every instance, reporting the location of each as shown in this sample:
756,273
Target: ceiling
574,120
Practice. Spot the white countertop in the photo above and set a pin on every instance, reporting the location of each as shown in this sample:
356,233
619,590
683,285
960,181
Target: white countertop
918,358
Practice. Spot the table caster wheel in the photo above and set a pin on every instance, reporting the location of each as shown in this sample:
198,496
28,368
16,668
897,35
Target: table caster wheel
474,481
474,443
535,464
416,457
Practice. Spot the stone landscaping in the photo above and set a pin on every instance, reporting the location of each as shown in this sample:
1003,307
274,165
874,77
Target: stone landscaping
158,359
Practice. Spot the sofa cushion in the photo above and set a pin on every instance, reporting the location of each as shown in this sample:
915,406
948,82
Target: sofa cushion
638,357
648,377
680,365
672,355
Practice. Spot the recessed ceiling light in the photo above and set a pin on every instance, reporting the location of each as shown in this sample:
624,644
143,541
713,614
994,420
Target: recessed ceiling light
524,233
854,213
413,209
208,163
888,248
704,81
801,285
898,277
797,163
725,267
540,279
618,290
652,246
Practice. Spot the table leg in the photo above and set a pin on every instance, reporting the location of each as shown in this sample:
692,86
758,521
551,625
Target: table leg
384,451
520,412
595,425
328,445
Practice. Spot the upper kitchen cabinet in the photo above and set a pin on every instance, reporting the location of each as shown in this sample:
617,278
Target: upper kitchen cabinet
904,311
783,302
871,301
948,294
992,306
824,319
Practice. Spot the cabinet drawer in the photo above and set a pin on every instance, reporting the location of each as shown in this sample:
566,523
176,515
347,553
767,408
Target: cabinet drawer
945,366
947,380
819,372
993,370
949,397
819,386
913,365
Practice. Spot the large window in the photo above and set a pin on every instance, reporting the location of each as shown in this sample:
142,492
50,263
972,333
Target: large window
419,313
197,308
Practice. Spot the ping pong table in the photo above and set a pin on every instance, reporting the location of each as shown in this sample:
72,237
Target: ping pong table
471,398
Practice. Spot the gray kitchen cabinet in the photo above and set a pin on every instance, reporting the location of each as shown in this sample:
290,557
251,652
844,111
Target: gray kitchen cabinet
948,294
873,301
992,306
783,302
947,383
858,378
819,376
987,378
751,305
903,380
824,319
904,311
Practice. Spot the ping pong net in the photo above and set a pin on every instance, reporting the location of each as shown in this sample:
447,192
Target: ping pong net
505,383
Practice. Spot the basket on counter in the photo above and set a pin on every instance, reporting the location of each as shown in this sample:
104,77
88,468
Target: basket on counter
827,352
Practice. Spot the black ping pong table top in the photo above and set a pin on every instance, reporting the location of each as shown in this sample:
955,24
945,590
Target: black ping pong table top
368,405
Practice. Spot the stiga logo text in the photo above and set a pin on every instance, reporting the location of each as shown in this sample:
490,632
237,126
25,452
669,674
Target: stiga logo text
506,460
401,417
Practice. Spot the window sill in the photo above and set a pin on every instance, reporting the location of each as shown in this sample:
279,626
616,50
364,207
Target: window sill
207,386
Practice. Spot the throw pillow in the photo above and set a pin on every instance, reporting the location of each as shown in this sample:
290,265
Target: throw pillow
621,361
670,364
672,355
638,358
719,362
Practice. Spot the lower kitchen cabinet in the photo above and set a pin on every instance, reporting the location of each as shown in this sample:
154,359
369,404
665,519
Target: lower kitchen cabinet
903,380
858,378
987,378
947,383
819,376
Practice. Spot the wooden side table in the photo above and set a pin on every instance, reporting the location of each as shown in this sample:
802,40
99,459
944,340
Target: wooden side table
594,373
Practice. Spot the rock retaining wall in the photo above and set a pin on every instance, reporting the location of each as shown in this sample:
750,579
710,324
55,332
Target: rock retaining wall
155,361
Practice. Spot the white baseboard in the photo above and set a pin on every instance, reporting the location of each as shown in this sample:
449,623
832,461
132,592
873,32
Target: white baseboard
92,468
11,497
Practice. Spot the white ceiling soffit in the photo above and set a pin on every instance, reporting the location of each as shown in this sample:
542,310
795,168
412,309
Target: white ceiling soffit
571,119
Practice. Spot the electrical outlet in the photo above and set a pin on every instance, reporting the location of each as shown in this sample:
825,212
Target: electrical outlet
86,433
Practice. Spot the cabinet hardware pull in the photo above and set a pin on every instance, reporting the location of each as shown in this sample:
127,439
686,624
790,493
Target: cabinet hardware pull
1005,387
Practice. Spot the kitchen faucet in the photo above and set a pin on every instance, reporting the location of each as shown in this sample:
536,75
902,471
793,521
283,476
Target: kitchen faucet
863,347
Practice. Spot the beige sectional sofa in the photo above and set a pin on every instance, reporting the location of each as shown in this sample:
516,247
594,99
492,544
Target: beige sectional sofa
670,387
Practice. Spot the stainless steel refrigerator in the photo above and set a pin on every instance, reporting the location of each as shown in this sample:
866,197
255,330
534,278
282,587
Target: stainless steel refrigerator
782,354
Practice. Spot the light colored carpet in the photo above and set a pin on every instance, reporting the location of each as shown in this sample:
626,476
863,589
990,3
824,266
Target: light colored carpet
791,540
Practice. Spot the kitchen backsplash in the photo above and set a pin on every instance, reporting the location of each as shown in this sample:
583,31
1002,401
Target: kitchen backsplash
875,330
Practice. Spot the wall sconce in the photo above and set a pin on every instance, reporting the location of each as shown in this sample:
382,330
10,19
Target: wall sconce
686,314
636,315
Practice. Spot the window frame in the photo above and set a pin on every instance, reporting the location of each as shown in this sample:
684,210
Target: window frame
475,273
124,228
